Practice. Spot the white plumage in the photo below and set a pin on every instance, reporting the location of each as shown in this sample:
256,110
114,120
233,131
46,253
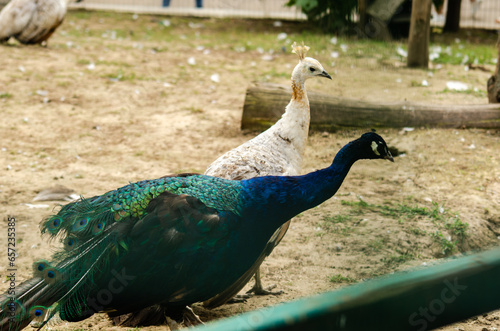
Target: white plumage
31,21
279,149
276,151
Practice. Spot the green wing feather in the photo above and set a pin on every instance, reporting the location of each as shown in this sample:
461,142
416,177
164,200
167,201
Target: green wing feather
93,231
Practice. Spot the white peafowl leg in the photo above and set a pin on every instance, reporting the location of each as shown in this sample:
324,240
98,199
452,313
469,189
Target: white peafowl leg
190,318
258,289
172,324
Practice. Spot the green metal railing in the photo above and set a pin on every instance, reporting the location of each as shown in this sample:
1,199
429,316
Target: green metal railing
422,299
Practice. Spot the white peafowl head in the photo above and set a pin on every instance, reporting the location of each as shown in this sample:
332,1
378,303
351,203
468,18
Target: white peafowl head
307,67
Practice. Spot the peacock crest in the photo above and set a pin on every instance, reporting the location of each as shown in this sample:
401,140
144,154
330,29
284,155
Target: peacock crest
300,50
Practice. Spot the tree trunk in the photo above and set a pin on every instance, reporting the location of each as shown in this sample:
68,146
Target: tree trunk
265,103
493,84
362,14
418,41
452,23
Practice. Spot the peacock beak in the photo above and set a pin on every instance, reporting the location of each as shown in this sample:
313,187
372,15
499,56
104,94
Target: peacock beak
389,157
325,74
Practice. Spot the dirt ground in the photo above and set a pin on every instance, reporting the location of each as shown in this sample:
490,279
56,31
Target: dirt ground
93,112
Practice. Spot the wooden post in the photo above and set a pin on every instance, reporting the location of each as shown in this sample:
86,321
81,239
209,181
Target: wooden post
493,84
362,14
452,23
418,41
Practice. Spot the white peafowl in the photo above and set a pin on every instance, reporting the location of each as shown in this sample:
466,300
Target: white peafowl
31,21
277,151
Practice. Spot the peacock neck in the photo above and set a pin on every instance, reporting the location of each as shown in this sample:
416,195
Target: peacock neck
281,198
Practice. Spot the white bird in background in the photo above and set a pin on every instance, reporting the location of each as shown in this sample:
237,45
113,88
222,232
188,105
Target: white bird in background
277,151
31,21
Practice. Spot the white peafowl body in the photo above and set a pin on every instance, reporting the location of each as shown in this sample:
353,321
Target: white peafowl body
277,151
31,21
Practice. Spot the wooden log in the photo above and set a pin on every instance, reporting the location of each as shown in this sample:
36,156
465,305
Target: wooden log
265,103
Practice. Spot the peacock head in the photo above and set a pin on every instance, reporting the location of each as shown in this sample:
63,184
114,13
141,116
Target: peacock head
373,146
307,67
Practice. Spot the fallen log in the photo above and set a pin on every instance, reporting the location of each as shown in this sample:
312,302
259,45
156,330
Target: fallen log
265,103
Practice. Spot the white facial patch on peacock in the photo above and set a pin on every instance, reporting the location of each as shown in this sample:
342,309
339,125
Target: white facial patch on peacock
375,148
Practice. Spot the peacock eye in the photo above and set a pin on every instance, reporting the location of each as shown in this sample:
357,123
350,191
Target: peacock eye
312,69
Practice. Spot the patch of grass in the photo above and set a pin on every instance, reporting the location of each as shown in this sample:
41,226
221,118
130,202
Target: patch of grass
336,224
458,228
277,74
399,211
359,207
443,219
462,53
338,278
63,83
418,232
120,76
337,218
474,92
195,110
120,64
5,95
376,244
83,62
448,246
435,213
395,260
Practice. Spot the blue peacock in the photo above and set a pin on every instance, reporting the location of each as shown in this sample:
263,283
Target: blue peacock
170,241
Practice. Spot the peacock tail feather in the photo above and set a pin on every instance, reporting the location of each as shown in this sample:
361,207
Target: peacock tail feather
91,231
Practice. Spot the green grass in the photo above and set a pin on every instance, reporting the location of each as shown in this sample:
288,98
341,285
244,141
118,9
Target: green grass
449,230
448,246
195,110
476,93
458,229
121,76
5,95
401,211
418,231
395,260
337,218
337,224
83,62
338,278
245,36
377,244
464,52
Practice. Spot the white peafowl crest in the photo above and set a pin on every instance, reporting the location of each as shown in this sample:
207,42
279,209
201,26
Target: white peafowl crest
301,51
